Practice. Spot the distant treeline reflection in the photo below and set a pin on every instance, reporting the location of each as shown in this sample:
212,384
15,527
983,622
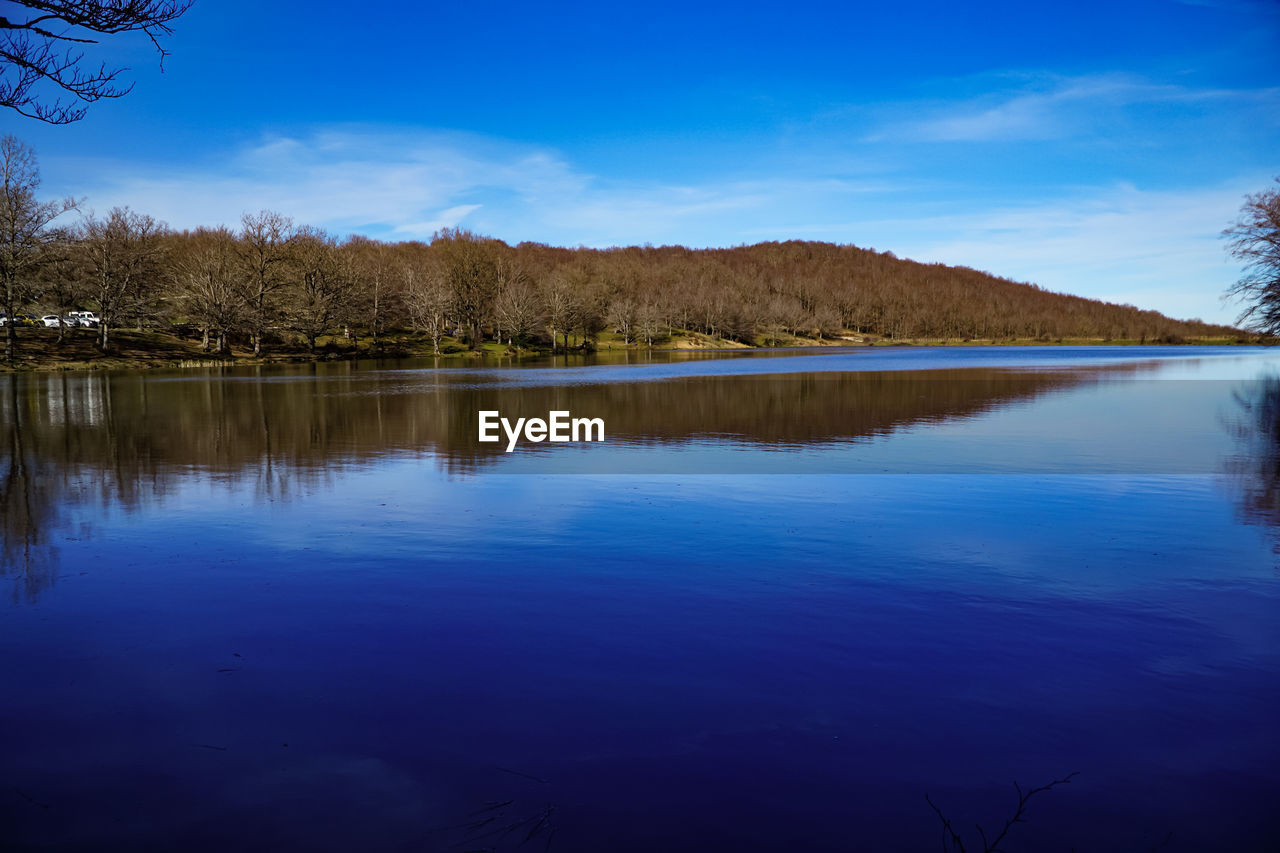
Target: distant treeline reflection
134,430
123,440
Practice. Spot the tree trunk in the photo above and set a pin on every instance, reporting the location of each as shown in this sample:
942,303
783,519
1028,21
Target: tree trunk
257,326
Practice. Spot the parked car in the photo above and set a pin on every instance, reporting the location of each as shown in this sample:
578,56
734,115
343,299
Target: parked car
88,319
52,320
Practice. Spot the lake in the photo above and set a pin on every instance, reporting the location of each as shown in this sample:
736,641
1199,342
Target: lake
788,597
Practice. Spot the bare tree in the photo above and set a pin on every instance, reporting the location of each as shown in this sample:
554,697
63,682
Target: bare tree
26,232
517,310
41,50
204,273
266,252
60,279
374,297
557,298
650,320
622,315
428,298
321,288
122,257
587,306
471,270
1255,240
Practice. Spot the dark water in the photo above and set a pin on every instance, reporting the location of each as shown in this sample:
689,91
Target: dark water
785,599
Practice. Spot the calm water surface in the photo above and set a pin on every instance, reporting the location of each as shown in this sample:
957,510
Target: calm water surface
787,598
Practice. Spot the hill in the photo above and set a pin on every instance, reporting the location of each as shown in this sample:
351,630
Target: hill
299,293
769,290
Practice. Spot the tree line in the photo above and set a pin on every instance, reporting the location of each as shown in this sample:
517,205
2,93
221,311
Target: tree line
271,282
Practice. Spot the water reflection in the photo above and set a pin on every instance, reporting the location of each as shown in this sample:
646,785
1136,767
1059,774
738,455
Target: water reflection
119,440
28,499
122,440
1255,470
131,430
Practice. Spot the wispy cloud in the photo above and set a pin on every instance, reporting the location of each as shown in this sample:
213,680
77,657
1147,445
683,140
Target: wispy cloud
1154,249
447,218
1053,108
344,179
405,184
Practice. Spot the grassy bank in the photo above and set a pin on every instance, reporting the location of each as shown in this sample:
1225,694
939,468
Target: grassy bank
40,349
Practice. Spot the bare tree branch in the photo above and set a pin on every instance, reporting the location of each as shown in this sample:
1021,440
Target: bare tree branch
948,834
993,846
26,231
32,52
1254,239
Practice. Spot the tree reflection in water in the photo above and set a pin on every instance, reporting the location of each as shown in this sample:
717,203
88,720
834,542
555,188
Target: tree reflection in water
1255,469
80,444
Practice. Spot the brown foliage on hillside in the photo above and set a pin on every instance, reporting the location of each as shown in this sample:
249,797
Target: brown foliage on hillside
477,288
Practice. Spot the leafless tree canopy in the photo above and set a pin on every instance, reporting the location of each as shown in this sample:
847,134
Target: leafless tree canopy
1254,239
28,240
123,258
42,61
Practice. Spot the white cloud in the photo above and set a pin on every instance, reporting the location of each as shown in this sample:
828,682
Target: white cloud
1053,108
446,219
344,179
404,184
1154,249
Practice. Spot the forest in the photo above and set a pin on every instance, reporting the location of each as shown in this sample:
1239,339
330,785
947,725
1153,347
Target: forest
271,285
270,282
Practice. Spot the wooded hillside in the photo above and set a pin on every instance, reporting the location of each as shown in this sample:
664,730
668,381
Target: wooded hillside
271,282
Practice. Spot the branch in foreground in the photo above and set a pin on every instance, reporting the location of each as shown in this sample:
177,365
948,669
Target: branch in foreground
949,834
32,54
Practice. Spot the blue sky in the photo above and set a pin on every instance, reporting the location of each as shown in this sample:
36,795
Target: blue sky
1092,148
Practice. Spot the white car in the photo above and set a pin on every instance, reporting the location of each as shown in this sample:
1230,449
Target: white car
88,319
52,320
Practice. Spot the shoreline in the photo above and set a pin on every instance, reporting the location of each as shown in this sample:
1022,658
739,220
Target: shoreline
133,350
